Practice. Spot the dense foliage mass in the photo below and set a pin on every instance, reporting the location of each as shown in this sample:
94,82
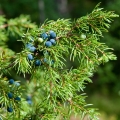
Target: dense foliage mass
51,92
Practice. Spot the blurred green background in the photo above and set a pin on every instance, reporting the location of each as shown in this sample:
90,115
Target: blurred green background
104,92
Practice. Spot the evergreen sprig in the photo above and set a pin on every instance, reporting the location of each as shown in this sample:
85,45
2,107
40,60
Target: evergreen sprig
55,92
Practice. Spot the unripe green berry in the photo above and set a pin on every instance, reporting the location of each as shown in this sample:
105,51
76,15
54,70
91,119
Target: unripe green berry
40,40
83,36
9,109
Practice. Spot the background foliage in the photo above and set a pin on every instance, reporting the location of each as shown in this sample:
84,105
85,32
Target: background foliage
106,82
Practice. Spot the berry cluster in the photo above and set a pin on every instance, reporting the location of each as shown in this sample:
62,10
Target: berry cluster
11,81
11,94
51,38
48,39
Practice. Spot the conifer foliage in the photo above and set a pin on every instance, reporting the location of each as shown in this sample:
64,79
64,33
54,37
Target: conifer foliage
53,92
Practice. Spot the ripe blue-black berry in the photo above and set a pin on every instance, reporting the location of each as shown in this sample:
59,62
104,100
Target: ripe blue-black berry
10,95
37,62
53,41
11,81
30,57
32,48
48,44
17,98
52,34
9,109
44,36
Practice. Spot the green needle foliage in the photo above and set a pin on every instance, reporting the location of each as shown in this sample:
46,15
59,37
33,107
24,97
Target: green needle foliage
54,92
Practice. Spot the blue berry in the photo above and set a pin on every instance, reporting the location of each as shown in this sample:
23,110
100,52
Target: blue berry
28,98
17,84
17,98
44,36
9,109
45,60
11,81
53,41
10,95
52,34
28,45
32,48
48,44
29,102
37,62
52,62
30,57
